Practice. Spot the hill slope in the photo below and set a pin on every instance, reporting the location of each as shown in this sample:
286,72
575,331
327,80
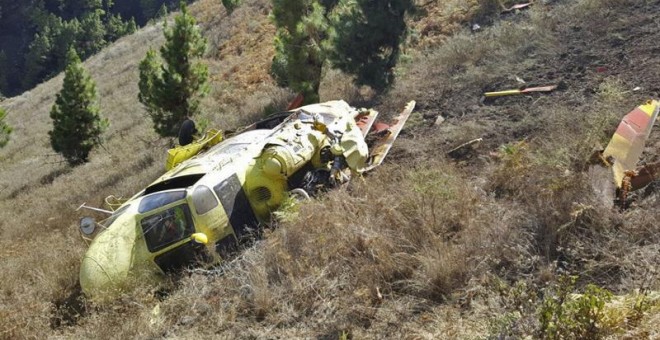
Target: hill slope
439,248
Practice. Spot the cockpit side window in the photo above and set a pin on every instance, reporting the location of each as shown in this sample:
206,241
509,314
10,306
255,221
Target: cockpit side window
159,199
167,227
203,200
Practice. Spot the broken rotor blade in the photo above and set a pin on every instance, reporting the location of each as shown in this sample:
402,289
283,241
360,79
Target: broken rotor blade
548,88
540,89
627,143
383,146
515,7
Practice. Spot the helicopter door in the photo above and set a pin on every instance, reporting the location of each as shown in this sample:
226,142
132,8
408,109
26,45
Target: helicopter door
237,207
162,233
182,256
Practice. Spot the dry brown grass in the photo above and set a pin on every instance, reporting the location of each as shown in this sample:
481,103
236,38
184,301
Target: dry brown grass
425,247
325,272
40,247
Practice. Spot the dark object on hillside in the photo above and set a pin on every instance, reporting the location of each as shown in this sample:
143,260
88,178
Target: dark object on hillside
187,131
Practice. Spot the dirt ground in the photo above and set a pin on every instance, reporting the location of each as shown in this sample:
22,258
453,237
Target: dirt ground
619,47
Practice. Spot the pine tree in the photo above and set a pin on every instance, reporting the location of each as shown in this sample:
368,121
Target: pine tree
116,27
150,69
64,38
299,54
360,37
48,51
365,39
77,125
37,59
78,8
172,91
162,11
5,130
91,37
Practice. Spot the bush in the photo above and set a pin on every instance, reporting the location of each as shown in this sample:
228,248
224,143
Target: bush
566,316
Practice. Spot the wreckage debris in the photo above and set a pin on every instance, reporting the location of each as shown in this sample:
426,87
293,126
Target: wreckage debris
548,88
517,7
625,149
219,192
627,143
463,149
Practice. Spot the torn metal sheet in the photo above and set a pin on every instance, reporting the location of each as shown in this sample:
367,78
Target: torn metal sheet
296,102
548,88
365,120
382,147
644,175
628,141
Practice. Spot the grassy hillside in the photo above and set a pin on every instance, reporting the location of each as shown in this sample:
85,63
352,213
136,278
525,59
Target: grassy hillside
428,246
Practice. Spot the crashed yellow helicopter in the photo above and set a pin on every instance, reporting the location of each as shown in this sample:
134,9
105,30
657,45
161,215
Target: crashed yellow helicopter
216,193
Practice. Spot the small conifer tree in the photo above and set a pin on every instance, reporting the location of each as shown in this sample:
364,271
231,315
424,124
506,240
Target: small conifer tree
91,36
299,54
360,37
172,90
77,125
5,130
365,39
36,59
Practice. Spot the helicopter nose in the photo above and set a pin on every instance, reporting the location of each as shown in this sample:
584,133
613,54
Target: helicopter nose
93,276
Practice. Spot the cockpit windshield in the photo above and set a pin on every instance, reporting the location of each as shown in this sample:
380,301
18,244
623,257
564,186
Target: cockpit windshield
108,221
159,199
167,227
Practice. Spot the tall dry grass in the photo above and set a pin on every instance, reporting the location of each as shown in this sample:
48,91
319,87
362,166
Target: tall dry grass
39,193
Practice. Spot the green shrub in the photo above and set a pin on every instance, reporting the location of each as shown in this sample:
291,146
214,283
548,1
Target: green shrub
564,315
